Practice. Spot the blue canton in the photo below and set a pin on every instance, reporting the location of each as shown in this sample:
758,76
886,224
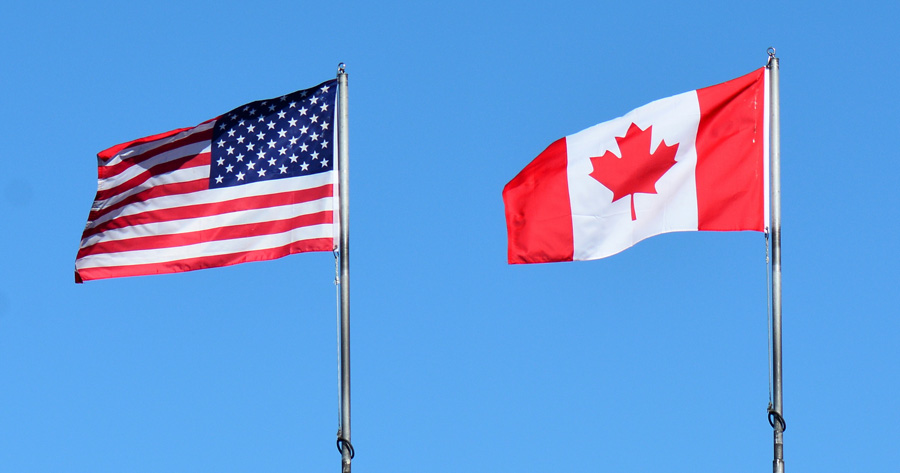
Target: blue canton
287,136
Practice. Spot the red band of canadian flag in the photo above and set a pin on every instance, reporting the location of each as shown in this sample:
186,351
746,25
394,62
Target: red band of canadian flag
694,161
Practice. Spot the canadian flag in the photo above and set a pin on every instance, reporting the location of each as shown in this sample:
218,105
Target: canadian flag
694,161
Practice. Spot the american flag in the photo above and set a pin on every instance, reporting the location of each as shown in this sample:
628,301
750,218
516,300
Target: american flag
256,183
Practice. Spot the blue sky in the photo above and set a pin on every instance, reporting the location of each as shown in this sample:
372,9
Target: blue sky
653,359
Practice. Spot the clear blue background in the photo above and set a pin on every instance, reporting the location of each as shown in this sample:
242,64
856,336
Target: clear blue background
655,359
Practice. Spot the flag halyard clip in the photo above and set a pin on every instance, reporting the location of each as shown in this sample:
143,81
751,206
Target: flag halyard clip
337,270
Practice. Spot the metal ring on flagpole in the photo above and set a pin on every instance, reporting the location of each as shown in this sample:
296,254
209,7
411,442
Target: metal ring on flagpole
776,417
341,442
772,59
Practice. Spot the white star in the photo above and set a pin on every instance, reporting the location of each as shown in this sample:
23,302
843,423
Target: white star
324,88
314,136
221,143
240,176
261,154
282,133
302,110
282,114
240,157
314,100
251,128
303,147
262,172
229,168
260,136
241,123
231,132
303,130
272,143
246,107
282,98
292,122
240,139
283,169
282,151
304,166
293,105
272,107
220,161
222,126
251,165
293,140
314,118
315,155
324,125
272,161
233,116
230,150
219,179
324,163
293,157
250,146
324,107
261,118
252,112
271,125
324,144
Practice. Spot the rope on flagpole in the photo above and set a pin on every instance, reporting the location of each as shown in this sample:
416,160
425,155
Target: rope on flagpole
768,317
341,442
774,417
337,309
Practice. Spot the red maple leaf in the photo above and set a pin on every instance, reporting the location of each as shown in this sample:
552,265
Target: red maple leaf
638,169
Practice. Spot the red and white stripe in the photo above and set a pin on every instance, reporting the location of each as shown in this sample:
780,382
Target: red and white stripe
154,212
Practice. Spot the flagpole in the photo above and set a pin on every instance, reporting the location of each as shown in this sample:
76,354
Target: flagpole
776,418
343,440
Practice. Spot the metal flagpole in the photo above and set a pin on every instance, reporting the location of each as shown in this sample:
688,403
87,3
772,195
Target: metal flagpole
776,418
343,436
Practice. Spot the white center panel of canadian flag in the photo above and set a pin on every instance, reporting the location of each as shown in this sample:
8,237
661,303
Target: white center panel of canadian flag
602,227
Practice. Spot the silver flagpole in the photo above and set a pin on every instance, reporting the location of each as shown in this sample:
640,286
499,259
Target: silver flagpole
775,411
343,440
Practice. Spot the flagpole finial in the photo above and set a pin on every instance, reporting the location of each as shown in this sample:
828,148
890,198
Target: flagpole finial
771,52
342,68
